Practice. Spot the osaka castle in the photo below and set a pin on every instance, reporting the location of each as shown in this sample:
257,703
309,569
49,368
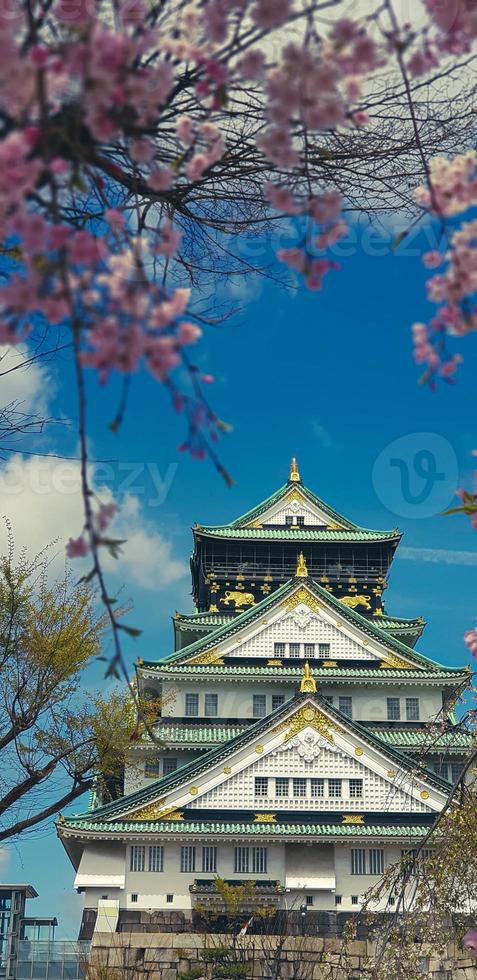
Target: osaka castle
302,743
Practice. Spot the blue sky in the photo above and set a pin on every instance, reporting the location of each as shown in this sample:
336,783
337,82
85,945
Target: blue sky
330,378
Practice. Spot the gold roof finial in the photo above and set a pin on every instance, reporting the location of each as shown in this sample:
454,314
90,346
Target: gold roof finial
301,569
307,683
294,474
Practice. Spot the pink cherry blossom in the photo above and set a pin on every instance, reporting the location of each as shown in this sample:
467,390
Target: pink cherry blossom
77,547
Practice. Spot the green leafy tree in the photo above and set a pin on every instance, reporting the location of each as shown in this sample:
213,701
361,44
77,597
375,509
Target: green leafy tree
56,738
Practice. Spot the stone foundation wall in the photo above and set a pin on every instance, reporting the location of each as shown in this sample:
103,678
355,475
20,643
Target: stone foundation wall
162,956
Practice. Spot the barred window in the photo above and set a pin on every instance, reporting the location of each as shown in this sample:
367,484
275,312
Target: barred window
309,650
151,768
259,705
299,787
355,788
209,860
187,858
376,861
358,861
279,649
323,650
412,709
394,709
317,787
211,705
138,857
191,705
294,649
261,786
345,705
169,765
334,787
281,786
241,865
156,857
259,860
277,700
309,899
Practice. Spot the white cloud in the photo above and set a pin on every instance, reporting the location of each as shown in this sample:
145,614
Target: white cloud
440,556
31,386
41,498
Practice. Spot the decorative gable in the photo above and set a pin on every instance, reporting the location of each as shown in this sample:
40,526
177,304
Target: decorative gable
306,741
294,505
301,618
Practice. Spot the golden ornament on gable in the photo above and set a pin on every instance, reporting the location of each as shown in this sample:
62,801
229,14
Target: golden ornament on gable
303,598
308,717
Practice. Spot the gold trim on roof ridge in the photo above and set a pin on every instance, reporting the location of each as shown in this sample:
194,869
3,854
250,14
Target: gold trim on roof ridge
209,657
392,661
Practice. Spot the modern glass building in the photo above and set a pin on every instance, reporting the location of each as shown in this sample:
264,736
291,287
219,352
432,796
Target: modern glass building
28,948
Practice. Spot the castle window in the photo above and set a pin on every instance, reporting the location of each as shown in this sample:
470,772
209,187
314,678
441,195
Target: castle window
354,899
355,788
259,860
337,899
192,705
156,857
294,649
345,704
412,709
211,705
169,899
151,769
168,766
209,860
138,857
187,859
279,649
281,786
261,786
317,787
259,705
134,897
299,787
277,700
358,861
309,650
241,865
309,899
394,709
334,787
376,861
324,650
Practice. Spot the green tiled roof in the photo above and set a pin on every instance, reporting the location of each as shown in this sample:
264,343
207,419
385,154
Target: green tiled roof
304,534
330,674
406,625
198,734
425,737
183,734
367,626
201,620
217,828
